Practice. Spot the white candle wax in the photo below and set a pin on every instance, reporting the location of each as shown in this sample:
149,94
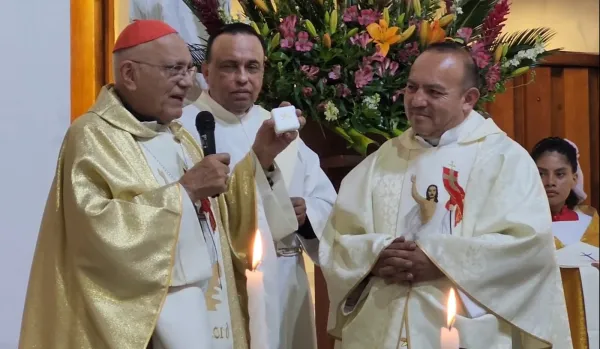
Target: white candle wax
257,310
449,338
256,299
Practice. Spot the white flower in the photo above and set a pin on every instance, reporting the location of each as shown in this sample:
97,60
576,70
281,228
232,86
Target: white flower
455,8
331,112
531,54
372,102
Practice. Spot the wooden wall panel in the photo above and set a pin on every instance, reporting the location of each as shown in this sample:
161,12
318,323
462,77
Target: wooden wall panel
562,101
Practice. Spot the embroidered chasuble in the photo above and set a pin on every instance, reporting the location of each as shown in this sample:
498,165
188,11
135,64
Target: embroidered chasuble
123,253
476,206
291,314
576,235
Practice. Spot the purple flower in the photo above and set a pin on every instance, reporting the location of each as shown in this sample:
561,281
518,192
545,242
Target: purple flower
288,27
307,91
387,67
479,54
397,95
287,43
363,76
303,44
310,71
351,14
492,77
409,51
361,40
342,90
465,33
367,17
335,73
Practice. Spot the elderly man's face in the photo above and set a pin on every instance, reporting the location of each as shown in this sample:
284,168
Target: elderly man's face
235,71
163,74
435,98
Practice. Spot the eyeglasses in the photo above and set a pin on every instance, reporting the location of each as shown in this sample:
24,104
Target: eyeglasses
178,70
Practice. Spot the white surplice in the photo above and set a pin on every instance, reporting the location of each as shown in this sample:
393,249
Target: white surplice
303,177
579,255
488,228
196,312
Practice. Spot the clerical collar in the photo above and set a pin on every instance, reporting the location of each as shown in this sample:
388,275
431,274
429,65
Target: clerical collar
221,112
470,123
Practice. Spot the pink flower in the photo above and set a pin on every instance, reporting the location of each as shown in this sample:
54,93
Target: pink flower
342,90
397,95
303,45
465,33
368,16
336,72
310,71
307,91
288,26
479,54
351,14
409,51
387,67
363,76
492,77
287,43
361,40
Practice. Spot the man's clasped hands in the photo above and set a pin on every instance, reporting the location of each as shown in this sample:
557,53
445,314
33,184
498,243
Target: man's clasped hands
403,261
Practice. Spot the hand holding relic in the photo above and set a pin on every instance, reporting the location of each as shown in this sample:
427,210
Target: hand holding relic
207,178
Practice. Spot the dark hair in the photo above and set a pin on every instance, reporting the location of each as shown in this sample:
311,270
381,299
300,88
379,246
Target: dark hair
435,198
471,77
233,29
559,145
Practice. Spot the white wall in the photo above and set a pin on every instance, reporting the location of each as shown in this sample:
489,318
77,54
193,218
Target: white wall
34,114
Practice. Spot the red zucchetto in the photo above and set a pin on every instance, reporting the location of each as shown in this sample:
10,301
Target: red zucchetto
141,31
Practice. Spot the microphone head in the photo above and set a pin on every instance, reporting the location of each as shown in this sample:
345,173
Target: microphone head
205,121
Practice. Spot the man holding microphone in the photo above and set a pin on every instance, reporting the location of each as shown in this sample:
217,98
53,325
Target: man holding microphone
142,235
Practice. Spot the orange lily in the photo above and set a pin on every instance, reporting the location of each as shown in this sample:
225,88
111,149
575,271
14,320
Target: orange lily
431,33
383,35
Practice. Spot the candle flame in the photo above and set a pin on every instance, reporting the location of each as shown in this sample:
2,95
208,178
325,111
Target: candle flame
256,251
451,308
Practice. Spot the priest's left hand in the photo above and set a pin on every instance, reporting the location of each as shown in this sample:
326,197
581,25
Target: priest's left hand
423,268
300,209
268,144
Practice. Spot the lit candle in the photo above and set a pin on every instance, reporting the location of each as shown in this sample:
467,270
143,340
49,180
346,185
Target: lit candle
449,335
256,299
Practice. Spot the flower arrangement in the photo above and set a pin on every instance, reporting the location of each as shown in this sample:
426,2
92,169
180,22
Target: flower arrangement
345,63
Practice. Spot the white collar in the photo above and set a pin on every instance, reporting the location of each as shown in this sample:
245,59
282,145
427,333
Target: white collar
472,121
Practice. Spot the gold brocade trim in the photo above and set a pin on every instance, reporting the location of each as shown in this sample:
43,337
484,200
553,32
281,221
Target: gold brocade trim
571,280
478,302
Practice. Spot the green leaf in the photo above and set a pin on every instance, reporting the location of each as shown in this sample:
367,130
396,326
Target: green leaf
474,12
279,56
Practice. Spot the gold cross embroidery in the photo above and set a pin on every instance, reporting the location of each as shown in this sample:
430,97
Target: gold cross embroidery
452,165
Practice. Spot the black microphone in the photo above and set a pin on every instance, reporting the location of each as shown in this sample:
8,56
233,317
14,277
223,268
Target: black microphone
205,125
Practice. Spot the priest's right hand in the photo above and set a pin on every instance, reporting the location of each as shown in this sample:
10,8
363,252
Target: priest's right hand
207,178
391,266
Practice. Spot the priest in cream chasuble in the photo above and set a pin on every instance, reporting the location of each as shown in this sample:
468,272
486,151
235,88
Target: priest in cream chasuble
133,250
235,58
462,207
576,235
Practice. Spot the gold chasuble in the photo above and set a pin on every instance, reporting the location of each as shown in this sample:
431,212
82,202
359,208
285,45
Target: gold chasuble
475,205
107,243
583,231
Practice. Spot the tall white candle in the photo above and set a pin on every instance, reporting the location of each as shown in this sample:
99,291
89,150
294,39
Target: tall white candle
256,299
449,337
